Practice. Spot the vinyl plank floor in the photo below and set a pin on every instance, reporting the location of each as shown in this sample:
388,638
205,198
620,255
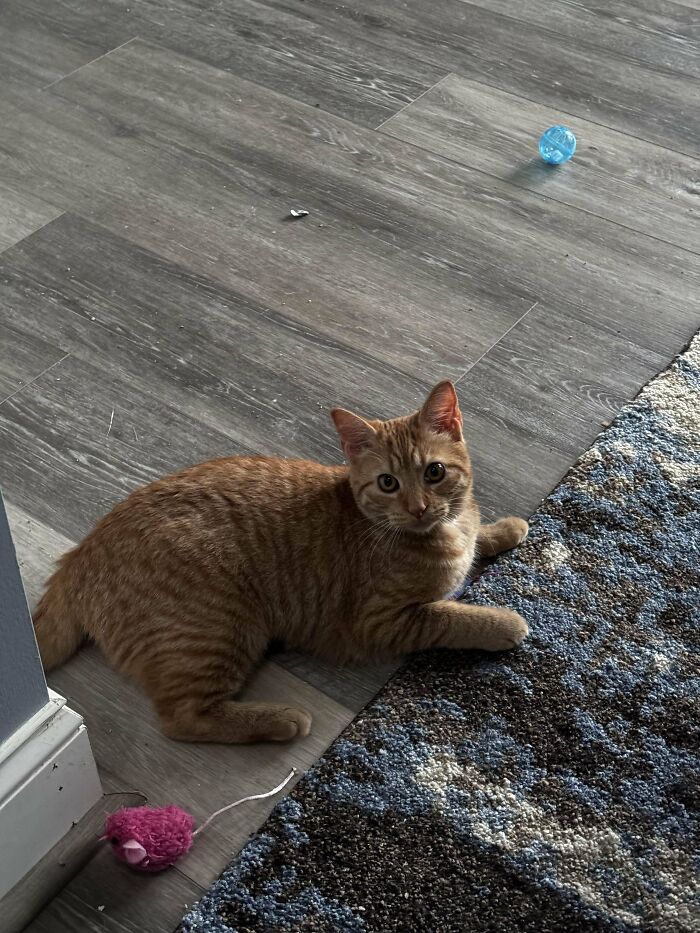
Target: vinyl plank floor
659,32
634,183
23,357
41,41
179,371
108,897
38,546
144,391
540,398
71,274
311,58
221,213
576,54
353,687
567,74
21,213
366,62
392,226
67,858
62,458
61,462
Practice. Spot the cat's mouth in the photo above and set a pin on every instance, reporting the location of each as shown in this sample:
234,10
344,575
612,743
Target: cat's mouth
420,526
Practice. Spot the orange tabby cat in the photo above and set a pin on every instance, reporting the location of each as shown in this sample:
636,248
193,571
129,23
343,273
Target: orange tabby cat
185,583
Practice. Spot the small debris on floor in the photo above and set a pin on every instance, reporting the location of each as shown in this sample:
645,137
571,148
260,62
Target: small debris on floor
297,212
100,907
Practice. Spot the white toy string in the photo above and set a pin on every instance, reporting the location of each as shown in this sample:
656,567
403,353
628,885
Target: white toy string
230,806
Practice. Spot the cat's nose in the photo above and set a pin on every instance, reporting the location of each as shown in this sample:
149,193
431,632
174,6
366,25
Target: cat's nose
418,511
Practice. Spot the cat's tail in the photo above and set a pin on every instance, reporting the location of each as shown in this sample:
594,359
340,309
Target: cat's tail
59,634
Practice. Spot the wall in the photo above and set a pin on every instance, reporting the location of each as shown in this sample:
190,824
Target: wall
22,685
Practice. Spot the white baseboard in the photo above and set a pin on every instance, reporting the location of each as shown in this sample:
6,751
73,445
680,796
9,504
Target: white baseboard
48,781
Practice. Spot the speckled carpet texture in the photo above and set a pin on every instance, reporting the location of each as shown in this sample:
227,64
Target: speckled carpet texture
548,790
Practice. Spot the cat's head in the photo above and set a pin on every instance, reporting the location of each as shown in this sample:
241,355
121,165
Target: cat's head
412,472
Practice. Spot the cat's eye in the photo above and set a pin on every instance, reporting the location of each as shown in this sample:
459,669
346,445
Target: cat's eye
434,472
387,482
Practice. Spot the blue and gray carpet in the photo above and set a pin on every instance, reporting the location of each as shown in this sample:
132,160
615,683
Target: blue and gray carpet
553,789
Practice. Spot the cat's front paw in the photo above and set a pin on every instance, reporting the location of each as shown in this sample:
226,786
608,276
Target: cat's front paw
507,631
513,531
503,535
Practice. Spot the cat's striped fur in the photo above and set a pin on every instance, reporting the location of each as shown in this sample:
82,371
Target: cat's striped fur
185,583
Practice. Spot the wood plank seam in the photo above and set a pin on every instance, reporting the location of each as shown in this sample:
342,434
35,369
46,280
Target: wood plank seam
91,62
4,249
32,381
412,102
496,343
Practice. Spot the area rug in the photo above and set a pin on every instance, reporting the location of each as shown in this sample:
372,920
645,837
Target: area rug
551,789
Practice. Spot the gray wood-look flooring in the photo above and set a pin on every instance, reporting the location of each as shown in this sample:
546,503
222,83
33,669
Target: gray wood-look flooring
58,867
156,308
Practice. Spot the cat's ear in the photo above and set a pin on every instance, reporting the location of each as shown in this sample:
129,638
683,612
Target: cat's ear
354,432
440,412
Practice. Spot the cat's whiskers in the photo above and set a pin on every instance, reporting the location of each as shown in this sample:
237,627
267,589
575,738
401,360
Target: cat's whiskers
452,500
385,531
369,533
373,528
395,538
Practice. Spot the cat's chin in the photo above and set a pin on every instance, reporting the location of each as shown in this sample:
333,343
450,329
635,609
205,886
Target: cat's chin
421,528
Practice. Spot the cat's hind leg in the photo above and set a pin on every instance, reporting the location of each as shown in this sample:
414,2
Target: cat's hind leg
232,722
195,677
501,536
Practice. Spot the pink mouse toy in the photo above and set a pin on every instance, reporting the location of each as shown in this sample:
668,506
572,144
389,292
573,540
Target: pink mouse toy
150,838
154,838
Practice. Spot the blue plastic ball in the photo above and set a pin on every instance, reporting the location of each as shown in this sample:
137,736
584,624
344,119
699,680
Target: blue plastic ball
557,145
